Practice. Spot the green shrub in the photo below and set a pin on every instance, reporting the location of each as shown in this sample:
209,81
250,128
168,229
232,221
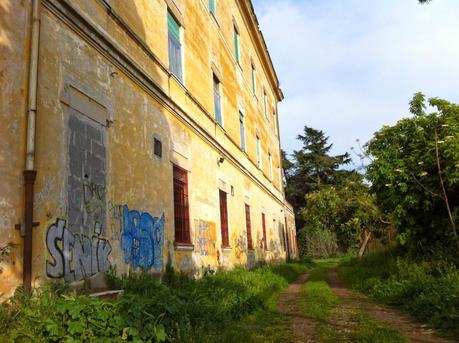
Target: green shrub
317,243
175,308
427,290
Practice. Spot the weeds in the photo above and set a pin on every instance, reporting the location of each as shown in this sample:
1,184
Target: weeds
427,290
176,309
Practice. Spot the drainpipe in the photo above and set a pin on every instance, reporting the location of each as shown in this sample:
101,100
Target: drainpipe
30,172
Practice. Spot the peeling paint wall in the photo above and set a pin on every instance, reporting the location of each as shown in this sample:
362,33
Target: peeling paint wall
103,198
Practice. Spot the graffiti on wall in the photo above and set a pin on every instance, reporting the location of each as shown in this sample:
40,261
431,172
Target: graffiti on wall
275,248
240,245
251,259
76,256
93,197
116,214
86,190
205,237
142,239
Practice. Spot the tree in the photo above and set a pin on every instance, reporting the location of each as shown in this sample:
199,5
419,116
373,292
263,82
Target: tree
344,217
415,175
312,167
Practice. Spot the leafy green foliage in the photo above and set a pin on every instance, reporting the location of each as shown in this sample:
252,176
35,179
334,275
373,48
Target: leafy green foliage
427,290
177,309
317,242
311,168
337,218
405,175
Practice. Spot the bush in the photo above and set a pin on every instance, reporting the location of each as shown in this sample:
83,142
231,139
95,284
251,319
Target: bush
175,309
427,290
317,243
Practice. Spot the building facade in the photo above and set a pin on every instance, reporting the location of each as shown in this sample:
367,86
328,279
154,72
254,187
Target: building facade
136,135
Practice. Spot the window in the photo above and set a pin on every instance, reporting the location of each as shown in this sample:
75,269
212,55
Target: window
157,147
217,101
248,226
259,162
175,46
224,219
242,130
181,208
237,46
270,166
263,223
254,80
275,122
279,172
265,104
212,7
284,238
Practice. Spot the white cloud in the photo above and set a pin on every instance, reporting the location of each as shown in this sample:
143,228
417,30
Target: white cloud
349,67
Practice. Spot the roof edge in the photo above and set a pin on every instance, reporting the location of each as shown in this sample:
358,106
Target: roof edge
248,12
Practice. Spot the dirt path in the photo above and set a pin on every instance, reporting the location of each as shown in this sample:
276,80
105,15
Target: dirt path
303,328
352,302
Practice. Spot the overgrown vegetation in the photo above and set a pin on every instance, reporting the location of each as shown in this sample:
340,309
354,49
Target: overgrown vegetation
335,211
411,185
414,175
427,290
178,308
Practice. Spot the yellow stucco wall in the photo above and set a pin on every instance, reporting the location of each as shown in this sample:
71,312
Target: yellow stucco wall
129,100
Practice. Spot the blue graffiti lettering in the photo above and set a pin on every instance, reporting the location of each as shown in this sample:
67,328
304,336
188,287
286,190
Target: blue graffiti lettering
142,239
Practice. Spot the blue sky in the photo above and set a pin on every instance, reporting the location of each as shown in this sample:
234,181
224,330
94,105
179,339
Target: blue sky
350,66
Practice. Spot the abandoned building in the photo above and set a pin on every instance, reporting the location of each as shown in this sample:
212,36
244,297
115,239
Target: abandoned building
137,135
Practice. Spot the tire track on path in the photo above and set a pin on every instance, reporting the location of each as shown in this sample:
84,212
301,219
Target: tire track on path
407,325
303,328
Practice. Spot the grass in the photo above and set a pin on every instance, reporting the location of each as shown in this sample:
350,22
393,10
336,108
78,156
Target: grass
265,325
319,302
360,329
229,306
317,298
428,290
372,331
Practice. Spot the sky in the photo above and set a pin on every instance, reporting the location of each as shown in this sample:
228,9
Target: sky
348,67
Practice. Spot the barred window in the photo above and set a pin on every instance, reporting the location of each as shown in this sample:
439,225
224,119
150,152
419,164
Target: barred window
224,219
181,206
248,226
263,223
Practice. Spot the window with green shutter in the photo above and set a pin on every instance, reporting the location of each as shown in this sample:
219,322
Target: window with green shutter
236,46
254,80
259,162
242,130
217,101
212,7
175,46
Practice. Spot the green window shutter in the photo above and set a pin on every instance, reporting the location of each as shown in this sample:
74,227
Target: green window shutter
212,6
173,26
236,45
242,131
175,46
253,80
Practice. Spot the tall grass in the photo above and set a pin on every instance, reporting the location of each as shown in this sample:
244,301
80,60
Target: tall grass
176,309
429,290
